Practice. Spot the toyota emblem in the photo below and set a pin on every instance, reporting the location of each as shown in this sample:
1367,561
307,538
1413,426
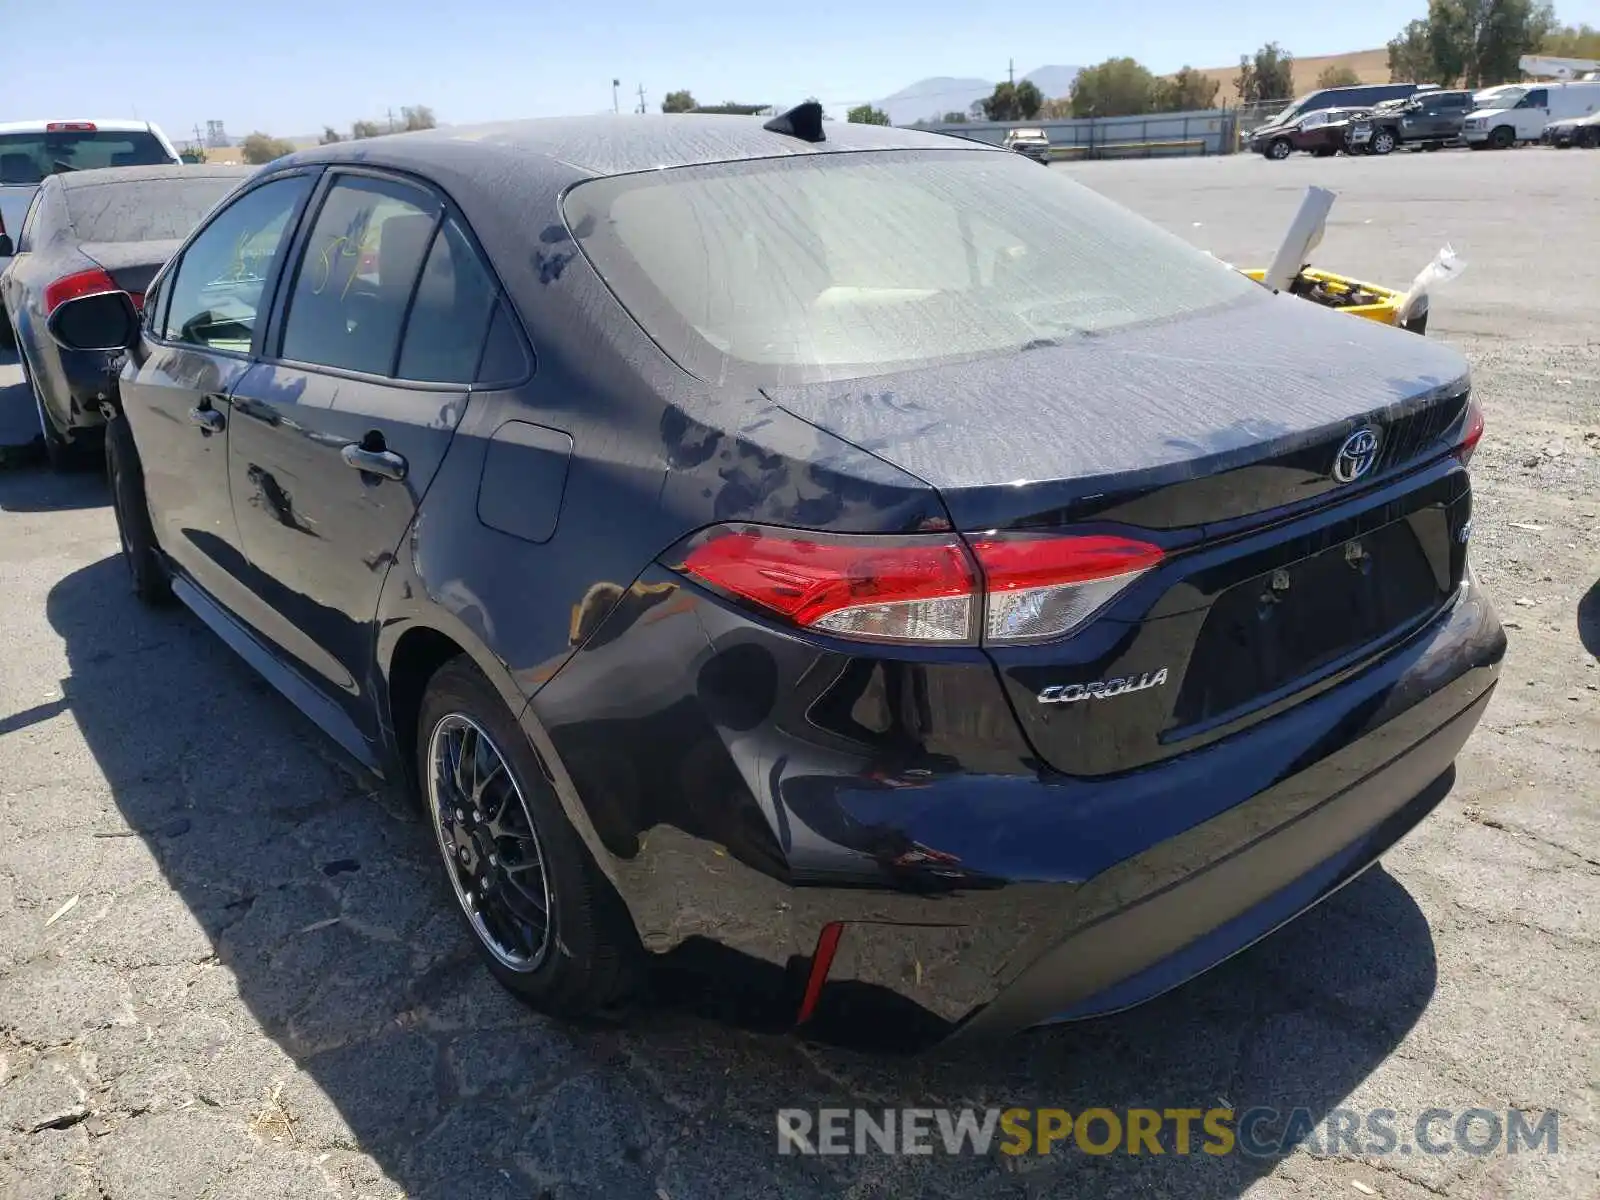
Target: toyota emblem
1356,456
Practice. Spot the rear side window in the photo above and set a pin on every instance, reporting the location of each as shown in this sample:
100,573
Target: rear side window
144,210
357,273
28,157
847,265
450,315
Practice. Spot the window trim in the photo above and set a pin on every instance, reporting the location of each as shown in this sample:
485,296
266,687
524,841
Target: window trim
448,210
173,264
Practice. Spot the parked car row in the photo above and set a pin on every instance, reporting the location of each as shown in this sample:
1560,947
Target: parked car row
89,231
527,462
1380,118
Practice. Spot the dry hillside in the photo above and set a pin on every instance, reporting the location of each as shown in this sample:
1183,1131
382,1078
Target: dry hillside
1372,66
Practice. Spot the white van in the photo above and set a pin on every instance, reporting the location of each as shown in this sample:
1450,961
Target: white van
1518,112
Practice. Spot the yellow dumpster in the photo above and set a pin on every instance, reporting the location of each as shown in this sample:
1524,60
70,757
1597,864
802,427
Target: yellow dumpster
1351,296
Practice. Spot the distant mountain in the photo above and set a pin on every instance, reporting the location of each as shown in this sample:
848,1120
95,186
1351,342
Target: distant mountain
934,97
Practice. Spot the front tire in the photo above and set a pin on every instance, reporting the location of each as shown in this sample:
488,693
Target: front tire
548,924
148,574
1382,142
1503,138
1279,149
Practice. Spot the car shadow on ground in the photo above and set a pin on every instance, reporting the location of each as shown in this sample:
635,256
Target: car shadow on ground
305,892
27,485
1589,620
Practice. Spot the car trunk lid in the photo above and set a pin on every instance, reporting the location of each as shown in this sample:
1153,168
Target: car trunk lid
131,265
1216,438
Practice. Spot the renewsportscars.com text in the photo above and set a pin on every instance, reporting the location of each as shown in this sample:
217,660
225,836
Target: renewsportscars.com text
1256,1132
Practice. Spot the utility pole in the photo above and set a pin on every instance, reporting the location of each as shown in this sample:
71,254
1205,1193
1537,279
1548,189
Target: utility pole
641,99
391,120
1011,71
615,84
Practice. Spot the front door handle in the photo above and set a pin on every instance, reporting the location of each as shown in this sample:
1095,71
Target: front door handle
209,419
385,463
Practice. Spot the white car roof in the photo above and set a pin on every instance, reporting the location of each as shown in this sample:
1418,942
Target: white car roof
112,125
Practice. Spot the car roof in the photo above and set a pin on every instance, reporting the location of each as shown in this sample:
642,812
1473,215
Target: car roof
113,125
99,176
619,145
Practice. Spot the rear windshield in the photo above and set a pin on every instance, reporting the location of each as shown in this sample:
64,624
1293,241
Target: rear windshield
28,157
835,266
144,210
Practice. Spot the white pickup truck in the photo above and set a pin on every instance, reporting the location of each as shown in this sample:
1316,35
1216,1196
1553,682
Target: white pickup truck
30,150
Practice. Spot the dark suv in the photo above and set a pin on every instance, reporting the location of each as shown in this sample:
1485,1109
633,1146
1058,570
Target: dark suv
1359,96
1426,121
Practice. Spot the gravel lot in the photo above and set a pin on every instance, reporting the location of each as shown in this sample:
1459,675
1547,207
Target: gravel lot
260,992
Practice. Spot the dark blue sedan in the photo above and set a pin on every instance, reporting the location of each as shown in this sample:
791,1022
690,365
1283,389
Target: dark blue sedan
843,556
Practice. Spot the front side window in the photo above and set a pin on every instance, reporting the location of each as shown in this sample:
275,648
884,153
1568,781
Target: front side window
846,265
217,287
354,282
28,157
1538,98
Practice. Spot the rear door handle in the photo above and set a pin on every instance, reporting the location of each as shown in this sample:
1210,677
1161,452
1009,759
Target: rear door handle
208,418
386,463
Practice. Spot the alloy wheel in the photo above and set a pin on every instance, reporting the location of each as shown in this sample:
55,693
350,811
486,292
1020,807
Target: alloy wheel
1382,142
1280,149
491,849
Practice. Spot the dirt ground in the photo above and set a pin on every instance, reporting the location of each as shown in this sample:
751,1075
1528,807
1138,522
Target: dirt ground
227,969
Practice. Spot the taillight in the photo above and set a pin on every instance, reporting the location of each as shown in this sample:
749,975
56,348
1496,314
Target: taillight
71,287
69,127
919,588
1472,432
1045,586
911,589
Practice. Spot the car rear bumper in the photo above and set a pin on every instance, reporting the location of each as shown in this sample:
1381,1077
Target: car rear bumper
992,895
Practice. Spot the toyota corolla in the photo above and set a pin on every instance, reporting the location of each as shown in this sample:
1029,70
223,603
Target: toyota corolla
899,569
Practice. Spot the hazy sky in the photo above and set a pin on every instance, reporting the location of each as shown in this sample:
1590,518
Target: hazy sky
290,66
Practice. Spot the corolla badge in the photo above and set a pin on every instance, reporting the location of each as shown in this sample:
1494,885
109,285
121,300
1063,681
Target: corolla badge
1071,693
1356,456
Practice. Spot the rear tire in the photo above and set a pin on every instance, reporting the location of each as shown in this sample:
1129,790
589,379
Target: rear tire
148,574
57,450
8,335
587,959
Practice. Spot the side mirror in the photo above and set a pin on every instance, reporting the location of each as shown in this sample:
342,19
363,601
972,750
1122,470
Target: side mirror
106,321
6,247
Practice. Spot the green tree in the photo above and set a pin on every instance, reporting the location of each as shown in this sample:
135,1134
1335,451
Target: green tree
954,118
865,114
330,135
1410,58
678,102
732,108
418,116
1266,75
364,129
1572,41
1057,108
1013,102
1478,42
1118,87
1187,91
1337,75
261,148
